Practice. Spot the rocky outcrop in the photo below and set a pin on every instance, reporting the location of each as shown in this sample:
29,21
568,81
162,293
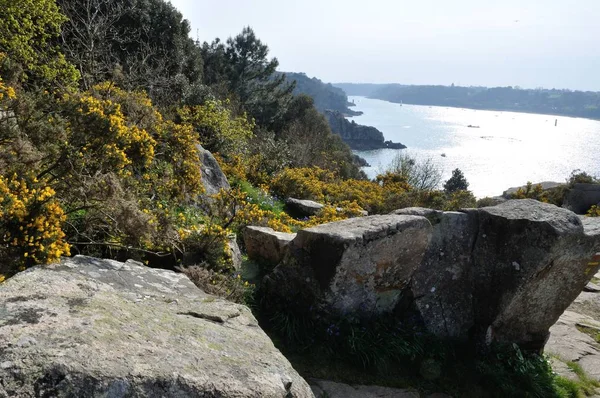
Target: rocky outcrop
357,136
213,178
302,208
98,328
265,245
494,274
356,267
581,197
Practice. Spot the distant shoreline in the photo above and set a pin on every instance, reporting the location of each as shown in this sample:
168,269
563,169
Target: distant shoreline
480,109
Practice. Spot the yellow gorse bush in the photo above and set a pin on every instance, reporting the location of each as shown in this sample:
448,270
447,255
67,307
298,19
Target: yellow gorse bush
322,185
121,144
31,221
6,92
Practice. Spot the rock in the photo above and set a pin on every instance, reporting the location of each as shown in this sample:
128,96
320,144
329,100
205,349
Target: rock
100,328
546,185
525,253
330,389
357,136
581,197
356,266
592,288
302,208
213,178
234,252
494,274
266,246
441,284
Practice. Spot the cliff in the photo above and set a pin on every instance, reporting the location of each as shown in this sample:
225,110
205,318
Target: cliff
358,136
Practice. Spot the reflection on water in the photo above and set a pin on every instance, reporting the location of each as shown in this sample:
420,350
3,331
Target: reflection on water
506,149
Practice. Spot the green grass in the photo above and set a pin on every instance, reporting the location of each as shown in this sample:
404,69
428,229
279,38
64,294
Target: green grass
586,384
262,199
388,354
590,331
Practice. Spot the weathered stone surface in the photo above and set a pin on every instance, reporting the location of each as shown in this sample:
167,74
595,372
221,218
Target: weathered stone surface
441,284
530,261
546,185
356,266
98,328
265,245
330,389
302,207
581,197
213,178
495,274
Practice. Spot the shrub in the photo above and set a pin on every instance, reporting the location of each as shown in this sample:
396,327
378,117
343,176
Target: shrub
577,176
30,224
594,211
419,174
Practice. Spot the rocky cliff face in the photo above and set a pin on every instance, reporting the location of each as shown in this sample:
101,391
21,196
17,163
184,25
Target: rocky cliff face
357,136
498,274
100,328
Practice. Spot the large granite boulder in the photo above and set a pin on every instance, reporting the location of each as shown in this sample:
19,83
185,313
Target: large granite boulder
495,274
99,328
266,246
581,197
213,178
503,273
356,267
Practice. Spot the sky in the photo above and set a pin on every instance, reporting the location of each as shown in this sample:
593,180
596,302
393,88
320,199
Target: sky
526,43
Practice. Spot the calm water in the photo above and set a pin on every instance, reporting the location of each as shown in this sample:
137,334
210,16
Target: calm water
507,150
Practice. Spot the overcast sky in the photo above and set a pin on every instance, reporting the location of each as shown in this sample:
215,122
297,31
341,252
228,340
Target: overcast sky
529,43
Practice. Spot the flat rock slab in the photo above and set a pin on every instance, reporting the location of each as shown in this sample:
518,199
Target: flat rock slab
100,328
265,245
302,207
572,338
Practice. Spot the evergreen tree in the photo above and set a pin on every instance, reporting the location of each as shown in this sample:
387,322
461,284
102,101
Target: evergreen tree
457,182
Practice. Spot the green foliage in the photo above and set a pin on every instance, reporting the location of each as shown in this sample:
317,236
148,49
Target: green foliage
457,182
325,96
218,130
27,53
140,44
399,355
594,211
581,177
243,68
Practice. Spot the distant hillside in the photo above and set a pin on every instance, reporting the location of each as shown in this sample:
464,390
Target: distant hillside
325,96
361,89
548,101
